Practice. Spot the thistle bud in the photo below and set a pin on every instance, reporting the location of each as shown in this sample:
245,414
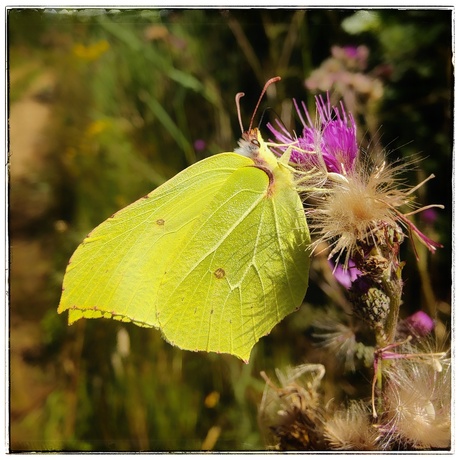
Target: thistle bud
370,303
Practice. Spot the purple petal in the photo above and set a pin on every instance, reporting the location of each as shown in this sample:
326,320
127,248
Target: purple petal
332,138
344,276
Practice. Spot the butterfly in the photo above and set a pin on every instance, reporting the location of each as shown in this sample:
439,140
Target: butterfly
215,257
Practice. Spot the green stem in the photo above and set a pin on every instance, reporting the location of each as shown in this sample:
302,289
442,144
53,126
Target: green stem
393,288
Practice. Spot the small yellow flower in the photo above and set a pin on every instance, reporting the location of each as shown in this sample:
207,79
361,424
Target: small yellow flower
97,127
91,52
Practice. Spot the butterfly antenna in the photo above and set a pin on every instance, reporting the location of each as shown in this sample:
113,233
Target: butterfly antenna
271,109
238,109
269,82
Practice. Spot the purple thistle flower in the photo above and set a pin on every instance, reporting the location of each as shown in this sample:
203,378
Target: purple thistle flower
354,57
351,51
357,197
429,216
199,145
418,324
331,140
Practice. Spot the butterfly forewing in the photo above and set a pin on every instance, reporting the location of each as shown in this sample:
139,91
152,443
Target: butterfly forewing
116,271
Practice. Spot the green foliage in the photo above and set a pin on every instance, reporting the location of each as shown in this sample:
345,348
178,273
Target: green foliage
134,90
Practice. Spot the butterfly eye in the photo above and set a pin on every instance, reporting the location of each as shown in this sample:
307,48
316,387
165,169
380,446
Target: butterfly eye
255,142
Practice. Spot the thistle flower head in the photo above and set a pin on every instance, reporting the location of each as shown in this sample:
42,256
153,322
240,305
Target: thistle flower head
330,142
341,341
352,429
362,209
417,399
353,57
419,325
359,199
293,411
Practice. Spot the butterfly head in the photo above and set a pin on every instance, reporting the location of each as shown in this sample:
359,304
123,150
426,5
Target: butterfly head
251,142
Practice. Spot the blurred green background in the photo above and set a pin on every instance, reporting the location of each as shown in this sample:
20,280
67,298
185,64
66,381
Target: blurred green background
104,105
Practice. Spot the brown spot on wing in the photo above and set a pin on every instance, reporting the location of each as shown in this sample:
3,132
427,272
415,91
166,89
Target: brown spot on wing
219,273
